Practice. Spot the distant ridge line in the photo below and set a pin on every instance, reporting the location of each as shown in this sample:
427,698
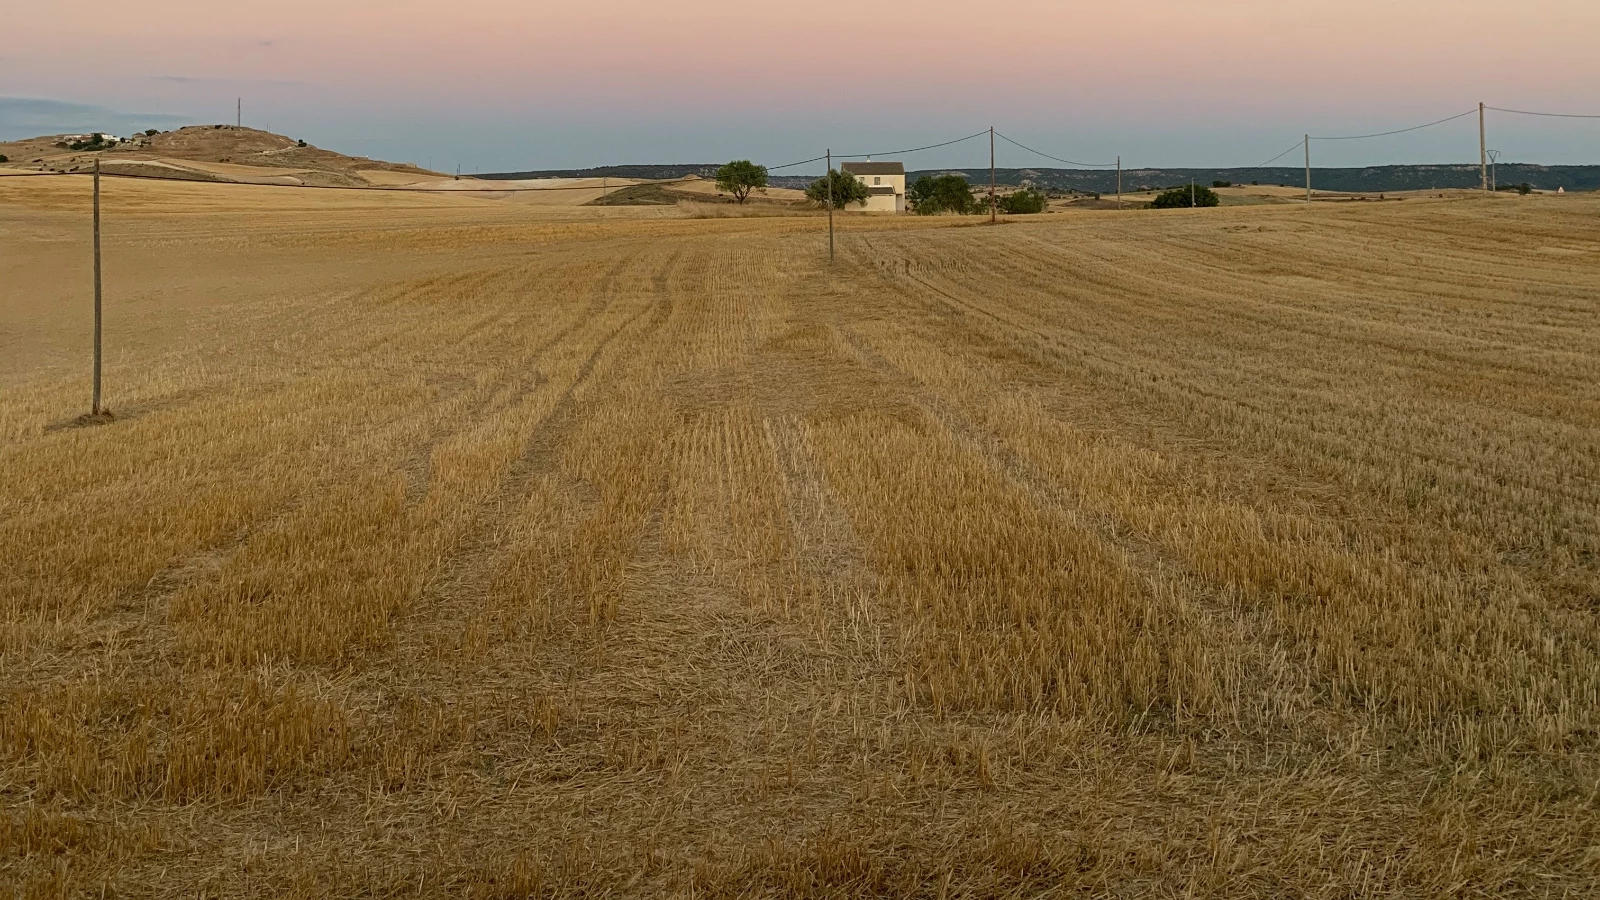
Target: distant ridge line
650,172
1407,177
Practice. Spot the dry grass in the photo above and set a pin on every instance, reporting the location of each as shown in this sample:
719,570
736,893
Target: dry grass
449,547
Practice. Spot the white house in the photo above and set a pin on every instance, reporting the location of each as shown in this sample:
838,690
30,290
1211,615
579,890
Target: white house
885,181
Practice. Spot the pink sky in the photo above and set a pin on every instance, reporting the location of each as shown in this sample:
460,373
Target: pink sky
1091,74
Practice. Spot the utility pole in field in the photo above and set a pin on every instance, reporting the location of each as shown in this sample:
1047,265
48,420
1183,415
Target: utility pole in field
1191,194
238,111
1119,182
1494,178
1483,152
94,406
830,204
991,175
1308,170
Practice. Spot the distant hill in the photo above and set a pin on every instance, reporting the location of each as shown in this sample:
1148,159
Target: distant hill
648,173
1368,179
204,153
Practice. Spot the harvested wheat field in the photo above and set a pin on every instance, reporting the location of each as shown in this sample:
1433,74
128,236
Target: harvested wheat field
447,547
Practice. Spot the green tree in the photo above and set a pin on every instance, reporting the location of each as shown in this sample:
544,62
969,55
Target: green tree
1185,196
931,195
847,189
4,158
1022,202
740,177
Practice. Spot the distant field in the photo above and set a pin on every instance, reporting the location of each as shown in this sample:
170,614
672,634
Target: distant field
447,546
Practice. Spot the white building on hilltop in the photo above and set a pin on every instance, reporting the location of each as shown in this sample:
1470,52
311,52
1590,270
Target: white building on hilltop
885,181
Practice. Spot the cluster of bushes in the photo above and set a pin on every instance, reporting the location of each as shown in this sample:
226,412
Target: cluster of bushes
844,190
931,195
92,142
1184,197
4,158
1022,202
1523,188
1217,184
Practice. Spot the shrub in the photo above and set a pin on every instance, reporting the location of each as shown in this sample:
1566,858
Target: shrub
1022,202
4,158
301,143
742,176
1221,184
929,195
847,189
151,132
1523,188
1185,197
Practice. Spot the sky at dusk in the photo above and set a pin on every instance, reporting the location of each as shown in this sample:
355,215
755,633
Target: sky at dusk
495,85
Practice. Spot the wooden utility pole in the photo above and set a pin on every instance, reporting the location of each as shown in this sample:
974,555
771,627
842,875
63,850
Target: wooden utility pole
1308,170
830,204
1483,153
991,175
1119,182
94,405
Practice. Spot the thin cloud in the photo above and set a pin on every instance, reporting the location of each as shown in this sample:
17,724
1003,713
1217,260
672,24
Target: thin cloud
22,117
206,79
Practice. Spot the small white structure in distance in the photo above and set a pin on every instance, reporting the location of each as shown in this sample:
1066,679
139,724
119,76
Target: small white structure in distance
885,181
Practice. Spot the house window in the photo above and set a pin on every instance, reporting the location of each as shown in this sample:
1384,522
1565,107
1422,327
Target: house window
877,180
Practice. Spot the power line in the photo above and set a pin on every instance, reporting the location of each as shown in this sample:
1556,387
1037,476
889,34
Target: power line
1056,158
1357,137
912,150
1292,148
793,164
1523,112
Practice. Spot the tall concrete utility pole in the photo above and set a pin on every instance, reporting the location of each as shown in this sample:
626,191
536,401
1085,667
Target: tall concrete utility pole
1483,153
830,204
94,405
238,111
1308,169
1119,182
991,175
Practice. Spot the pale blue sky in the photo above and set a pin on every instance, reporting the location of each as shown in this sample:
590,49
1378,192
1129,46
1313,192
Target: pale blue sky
497,84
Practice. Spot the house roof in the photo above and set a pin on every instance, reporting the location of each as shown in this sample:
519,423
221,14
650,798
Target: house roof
873,168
